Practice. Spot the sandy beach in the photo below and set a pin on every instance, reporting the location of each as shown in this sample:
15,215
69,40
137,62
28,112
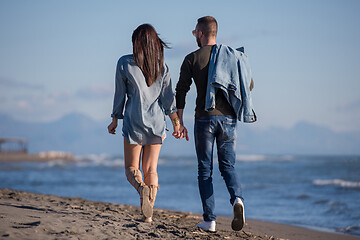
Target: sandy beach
26,215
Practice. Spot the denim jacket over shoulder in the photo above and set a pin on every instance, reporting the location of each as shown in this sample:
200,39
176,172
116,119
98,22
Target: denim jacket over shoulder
230,72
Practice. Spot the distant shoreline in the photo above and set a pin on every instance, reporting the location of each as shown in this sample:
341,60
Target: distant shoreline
38,216
37,157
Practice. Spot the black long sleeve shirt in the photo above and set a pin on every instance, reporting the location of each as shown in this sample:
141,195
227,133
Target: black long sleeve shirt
195,67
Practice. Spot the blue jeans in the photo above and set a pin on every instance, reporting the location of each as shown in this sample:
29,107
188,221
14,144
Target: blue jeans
223,130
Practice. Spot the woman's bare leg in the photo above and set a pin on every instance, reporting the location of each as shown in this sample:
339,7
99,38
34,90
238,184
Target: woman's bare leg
149,164
132,153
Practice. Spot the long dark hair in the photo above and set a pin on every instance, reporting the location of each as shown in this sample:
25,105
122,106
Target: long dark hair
148,52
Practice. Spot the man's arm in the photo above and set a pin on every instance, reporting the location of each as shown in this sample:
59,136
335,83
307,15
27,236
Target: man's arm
184,83
180,115
182,87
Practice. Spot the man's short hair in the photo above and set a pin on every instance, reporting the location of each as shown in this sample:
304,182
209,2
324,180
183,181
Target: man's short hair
208,26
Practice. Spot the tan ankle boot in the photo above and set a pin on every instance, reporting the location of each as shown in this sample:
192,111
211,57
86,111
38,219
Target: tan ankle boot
134,177
153,192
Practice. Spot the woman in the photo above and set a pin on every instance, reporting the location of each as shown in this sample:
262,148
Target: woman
143,86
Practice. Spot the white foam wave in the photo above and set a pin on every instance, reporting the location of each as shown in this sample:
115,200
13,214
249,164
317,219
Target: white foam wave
56,163
261,158
250,158
355,229
337,183
98,160
113,161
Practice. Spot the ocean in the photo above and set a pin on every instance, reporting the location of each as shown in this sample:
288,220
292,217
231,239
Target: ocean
318,192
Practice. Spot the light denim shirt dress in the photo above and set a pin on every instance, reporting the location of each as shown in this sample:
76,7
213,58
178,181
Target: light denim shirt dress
145,107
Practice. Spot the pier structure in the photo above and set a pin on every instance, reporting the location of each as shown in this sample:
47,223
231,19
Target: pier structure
13,145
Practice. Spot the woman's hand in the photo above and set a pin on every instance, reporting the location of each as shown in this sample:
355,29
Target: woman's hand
177,131
112,126
180,132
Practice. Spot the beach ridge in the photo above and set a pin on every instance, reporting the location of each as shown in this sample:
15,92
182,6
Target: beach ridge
25,215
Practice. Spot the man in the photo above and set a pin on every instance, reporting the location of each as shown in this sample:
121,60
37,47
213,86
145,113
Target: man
218,124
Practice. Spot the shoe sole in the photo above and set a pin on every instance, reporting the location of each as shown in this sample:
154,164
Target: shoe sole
146,208
206,230
148,220
238,222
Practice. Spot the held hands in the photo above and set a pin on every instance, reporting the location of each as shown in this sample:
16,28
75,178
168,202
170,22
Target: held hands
179,130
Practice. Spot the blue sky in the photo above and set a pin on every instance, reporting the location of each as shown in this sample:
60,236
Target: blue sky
59,57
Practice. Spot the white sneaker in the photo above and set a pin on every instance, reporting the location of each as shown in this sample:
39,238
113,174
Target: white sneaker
207,226
239,215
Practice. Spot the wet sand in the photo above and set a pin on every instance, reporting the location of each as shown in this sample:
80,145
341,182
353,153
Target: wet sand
26,215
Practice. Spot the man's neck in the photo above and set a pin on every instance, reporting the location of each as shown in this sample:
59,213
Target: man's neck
208,42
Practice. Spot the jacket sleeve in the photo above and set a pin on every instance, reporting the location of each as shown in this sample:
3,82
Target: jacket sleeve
247,110
120,92
167,96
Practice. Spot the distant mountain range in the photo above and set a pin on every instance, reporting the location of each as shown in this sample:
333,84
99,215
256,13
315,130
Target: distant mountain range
81,135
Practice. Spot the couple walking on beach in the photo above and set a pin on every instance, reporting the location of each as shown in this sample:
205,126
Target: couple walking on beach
143,87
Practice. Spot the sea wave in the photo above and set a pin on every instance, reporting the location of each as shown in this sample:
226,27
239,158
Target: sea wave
354,229
99,160
114,161
337,182
117,161
261,158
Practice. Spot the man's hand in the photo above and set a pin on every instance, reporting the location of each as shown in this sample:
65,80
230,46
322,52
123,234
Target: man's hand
185,133
183,130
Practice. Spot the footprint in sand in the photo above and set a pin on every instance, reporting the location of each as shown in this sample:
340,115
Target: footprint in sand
28,225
